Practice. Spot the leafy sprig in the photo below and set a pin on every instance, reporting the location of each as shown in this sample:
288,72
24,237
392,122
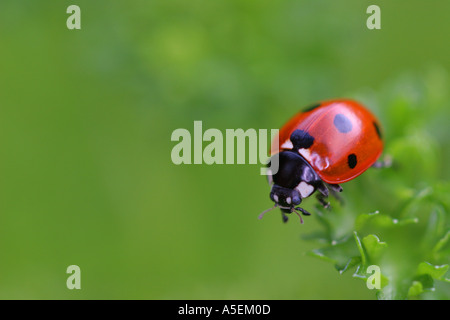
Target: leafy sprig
398,219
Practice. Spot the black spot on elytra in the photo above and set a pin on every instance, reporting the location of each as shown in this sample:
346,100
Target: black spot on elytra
301,139
377,129
312,107
352,161
342,123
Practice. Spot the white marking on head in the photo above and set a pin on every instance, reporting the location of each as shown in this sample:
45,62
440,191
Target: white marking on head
287,145
316,161
275,197
306,153
288,200
305,189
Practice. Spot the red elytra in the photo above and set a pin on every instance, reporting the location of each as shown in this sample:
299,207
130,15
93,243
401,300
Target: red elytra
347,139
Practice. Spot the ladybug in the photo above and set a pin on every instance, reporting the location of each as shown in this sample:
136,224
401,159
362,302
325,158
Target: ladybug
327,144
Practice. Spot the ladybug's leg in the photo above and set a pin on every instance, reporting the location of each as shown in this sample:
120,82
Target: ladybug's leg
334,190
322,189
306,213
334,187
386,162
323,201
323,194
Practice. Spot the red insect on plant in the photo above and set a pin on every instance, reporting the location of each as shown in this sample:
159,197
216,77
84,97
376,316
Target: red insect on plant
321,147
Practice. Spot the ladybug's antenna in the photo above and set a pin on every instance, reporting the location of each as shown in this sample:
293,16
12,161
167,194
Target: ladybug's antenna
299,215
265,211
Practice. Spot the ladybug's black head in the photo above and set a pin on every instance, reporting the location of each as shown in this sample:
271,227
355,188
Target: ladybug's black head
294,180
285,197
292,170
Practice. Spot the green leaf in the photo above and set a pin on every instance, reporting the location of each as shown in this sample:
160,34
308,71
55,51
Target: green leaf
354,261
343,254
435,230
360,248
415,289
435,272
373,247
370,249
381,220
364,218
425,275
442,242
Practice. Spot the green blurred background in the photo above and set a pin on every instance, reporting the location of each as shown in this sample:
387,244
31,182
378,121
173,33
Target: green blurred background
87,115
